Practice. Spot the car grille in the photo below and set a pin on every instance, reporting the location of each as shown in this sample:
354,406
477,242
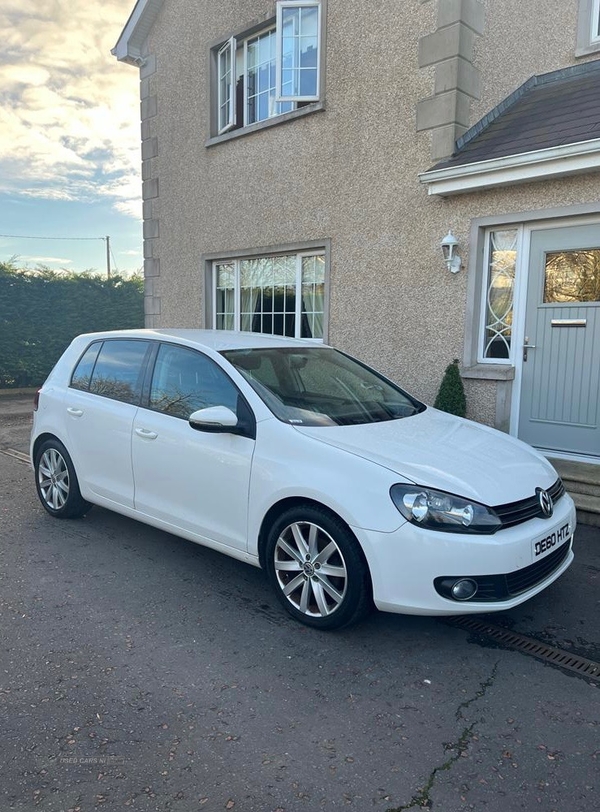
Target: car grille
530,508
492,588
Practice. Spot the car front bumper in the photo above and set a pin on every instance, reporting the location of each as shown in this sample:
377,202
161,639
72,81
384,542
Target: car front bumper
405,564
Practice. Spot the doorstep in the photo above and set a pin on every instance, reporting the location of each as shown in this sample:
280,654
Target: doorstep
582,481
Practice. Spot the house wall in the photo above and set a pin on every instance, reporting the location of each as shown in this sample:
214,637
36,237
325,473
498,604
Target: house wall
348,173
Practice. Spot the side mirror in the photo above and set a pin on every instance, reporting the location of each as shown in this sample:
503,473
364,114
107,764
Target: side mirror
214,418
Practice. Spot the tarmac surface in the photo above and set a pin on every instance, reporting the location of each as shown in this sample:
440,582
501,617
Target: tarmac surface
140,671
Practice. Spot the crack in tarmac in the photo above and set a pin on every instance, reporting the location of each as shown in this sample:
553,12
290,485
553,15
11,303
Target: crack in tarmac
421,799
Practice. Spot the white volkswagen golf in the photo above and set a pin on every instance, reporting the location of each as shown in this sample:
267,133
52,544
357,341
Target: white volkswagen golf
297,458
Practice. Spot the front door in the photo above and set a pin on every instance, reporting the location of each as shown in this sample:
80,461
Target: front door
560,386
192,480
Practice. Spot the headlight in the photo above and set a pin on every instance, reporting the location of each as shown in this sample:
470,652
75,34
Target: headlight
437,510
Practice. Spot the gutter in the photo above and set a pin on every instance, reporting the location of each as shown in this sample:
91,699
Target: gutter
543,164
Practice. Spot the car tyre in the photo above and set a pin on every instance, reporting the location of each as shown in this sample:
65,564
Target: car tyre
317,568
56,482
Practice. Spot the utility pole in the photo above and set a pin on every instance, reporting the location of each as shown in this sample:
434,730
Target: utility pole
107,257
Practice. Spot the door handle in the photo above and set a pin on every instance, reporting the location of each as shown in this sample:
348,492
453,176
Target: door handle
146,434
527,346
74,412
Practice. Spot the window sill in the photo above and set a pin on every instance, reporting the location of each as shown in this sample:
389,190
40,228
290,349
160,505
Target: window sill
587,50
489,372
316,107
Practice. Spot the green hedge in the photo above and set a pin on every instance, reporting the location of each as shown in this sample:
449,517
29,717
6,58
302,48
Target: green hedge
42,310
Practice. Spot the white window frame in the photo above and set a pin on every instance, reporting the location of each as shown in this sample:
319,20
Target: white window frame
588,38
595,22
280,6
227,47
273,100
300,255
483,304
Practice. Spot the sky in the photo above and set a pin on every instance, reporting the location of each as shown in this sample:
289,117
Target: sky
69,137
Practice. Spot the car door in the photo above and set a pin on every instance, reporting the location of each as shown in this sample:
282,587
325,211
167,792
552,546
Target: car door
195,481
101,402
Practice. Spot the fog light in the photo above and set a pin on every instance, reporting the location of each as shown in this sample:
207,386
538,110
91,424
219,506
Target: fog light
464,589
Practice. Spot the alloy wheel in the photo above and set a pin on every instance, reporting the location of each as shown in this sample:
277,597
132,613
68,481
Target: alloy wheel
310,569
53,479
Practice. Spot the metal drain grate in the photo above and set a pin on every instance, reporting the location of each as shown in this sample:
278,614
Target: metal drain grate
555,656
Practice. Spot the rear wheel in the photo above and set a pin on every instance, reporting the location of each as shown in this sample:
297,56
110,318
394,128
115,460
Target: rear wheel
317,569
56,482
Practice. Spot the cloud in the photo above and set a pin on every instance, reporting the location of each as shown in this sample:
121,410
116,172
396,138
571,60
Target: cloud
47,260
69,127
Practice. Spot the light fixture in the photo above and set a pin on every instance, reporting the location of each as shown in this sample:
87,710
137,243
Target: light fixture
451,258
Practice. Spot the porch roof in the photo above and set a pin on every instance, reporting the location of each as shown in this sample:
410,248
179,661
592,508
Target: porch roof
535,132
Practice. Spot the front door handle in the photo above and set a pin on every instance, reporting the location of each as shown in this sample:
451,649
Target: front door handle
74,412
146,434
527,346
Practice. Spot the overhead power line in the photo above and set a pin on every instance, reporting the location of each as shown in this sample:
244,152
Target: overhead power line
28,237
106,239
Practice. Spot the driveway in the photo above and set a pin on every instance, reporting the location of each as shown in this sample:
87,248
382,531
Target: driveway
15,420
140,671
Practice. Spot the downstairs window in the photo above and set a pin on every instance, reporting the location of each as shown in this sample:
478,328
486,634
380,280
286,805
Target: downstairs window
278,295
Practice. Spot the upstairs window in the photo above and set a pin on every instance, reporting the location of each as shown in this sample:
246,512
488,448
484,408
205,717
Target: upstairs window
226,61
260,98
297,66
270,71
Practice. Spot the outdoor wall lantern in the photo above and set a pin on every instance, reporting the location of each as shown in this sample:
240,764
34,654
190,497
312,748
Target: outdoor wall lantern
451,258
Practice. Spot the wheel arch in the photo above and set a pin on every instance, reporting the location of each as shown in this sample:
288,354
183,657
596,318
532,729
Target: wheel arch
47,435
280,507
73,505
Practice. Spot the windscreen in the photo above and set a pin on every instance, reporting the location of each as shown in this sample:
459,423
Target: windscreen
320,386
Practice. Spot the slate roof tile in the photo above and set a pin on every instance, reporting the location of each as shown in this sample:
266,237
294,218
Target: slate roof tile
551,110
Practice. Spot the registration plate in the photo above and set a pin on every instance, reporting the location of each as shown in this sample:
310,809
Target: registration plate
552,541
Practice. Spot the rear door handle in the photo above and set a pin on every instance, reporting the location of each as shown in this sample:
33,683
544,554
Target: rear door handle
146,434
74,412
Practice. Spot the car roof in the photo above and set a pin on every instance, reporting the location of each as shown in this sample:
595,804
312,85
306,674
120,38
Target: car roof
216,340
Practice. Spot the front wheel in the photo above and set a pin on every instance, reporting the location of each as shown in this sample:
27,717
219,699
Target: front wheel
56,482
317,569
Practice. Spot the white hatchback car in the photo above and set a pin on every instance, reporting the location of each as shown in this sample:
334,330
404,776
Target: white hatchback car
295,457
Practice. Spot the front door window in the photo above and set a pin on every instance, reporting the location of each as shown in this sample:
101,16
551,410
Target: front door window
572,276
185,380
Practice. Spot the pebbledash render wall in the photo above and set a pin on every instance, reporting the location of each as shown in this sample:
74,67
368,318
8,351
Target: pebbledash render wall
402,80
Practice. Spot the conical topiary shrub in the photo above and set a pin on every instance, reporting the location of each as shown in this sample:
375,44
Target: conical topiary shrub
451,397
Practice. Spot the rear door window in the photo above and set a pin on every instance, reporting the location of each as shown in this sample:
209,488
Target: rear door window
113,369
83,371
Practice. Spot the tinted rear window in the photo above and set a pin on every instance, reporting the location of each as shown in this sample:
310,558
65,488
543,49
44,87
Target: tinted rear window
83,371
115,371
